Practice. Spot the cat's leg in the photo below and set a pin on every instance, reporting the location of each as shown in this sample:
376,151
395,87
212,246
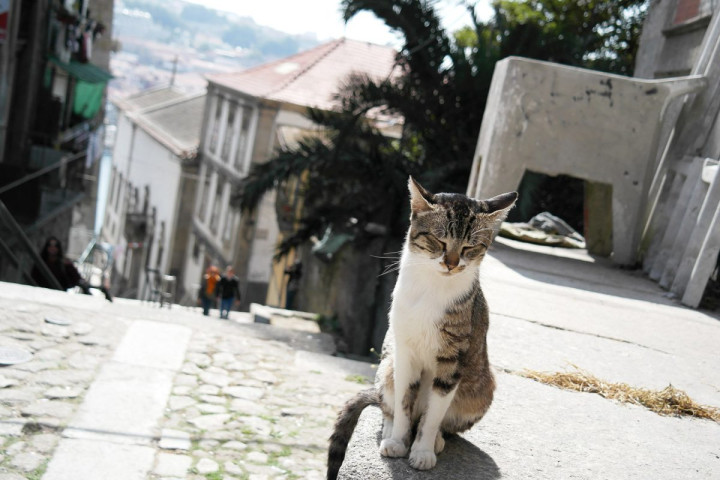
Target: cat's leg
422,453
387,407
386,387
406,384
439,442
387,427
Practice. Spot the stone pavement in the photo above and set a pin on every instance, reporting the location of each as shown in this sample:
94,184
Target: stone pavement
130,391
553,312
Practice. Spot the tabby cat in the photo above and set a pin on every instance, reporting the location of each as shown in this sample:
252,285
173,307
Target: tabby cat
434,377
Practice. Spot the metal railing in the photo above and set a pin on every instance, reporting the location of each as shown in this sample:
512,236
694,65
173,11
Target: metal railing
15,245
14,236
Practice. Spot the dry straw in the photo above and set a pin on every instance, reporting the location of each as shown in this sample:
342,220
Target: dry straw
669,401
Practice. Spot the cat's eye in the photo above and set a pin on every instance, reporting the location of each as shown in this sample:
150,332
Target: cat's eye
438,241
474,250
433,242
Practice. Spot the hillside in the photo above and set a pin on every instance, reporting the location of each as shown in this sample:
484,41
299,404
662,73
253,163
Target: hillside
160,41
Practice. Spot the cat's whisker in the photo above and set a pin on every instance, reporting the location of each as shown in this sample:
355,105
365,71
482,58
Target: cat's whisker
388,271
395,266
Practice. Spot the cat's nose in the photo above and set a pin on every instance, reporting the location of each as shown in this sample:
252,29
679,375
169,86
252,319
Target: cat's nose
451,260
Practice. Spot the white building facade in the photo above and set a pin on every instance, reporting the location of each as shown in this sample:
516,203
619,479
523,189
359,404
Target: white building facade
152,188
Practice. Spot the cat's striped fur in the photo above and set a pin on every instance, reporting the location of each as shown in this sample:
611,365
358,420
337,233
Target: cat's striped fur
434,376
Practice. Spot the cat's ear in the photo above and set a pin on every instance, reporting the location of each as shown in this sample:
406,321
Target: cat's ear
499,206
420,199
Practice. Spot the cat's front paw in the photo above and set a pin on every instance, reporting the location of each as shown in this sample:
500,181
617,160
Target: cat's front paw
422,459
392,448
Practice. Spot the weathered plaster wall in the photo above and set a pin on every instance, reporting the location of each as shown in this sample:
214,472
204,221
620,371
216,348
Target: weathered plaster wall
554,119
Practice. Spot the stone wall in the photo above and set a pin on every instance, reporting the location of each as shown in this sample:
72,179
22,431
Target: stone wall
348,287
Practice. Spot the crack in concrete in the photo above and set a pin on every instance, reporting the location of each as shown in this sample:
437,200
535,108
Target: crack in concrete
604,337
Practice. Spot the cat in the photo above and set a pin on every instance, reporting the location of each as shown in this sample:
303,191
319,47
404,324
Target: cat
434,376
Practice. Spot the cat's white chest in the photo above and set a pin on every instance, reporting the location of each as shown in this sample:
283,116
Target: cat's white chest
419,303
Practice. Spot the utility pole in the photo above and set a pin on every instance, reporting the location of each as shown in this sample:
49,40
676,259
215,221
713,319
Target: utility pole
174,70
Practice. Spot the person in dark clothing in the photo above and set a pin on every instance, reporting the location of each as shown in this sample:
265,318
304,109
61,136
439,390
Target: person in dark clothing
228,291
294,273
62,268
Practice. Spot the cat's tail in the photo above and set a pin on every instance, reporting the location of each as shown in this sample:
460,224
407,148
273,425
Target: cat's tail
344,427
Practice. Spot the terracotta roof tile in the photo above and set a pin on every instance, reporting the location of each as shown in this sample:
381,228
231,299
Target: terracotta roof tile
310,78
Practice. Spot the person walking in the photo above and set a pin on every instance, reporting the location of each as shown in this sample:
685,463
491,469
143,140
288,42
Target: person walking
229,291
208,288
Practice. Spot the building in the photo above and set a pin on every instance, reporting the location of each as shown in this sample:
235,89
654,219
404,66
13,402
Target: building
247,116
647,146
152,187
53,79
682,241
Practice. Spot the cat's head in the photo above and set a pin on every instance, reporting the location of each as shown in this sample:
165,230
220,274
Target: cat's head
451,232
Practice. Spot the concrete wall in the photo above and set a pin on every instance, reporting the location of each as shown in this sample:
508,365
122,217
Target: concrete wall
598,127
347,288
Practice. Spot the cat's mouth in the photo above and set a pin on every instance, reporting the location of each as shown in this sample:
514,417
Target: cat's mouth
454,271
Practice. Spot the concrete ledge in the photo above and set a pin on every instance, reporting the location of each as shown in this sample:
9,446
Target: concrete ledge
279,317
460,459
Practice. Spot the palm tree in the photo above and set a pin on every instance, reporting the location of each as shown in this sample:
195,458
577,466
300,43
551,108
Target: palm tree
355,175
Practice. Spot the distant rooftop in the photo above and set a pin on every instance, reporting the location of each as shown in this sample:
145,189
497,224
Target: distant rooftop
170,116
148,99
310,78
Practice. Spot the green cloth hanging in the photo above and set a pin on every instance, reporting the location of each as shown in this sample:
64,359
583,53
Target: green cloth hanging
89,87
88,98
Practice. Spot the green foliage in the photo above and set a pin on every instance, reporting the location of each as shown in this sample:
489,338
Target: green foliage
352,177
357,378
329,324
598,34
355,175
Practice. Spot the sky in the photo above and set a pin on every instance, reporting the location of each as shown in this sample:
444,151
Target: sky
323,17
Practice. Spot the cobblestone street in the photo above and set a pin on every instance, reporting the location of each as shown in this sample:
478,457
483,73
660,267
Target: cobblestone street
249,401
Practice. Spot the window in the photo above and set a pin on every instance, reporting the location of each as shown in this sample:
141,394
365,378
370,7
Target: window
119,193
135,200
195,249
229,225
215,213
244,140
215,126
229,130
113,187
161,246
205,194
690,9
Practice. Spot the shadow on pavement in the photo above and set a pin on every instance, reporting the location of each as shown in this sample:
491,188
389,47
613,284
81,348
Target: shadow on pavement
577,269
459,457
